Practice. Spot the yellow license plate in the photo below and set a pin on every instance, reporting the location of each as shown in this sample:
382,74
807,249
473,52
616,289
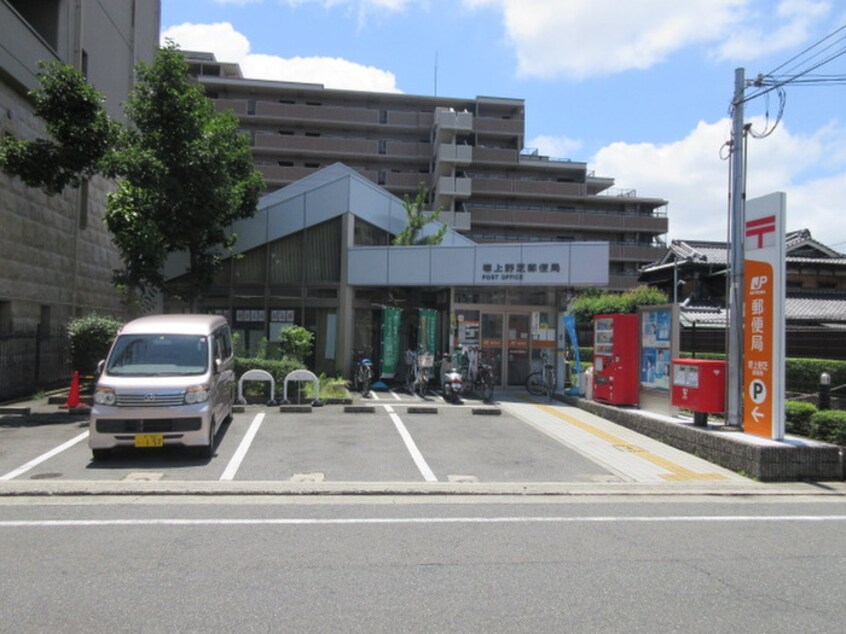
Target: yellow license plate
149,440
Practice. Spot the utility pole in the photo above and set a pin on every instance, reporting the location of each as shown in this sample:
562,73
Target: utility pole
737,201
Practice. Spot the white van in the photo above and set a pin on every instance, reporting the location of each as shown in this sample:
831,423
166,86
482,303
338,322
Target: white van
168,380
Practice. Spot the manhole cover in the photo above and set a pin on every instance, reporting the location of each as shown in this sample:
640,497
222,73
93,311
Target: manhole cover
143,476
308,477
462,478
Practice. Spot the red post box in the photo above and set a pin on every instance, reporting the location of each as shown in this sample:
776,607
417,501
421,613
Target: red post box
699,385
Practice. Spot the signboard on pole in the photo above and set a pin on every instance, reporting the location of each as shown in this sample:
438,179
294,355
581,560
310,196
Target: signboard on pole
763,326
390,340
427,329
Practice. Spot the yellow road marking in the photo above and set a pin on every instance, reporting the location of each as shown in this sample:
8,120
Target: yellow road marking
676,471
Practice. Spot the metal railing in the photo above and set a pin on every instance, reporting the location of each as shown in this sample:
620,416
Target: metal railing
30,362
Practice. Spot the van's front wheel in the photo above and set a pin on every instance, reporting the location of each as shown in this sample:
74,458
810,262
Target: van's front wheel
100,455
207,451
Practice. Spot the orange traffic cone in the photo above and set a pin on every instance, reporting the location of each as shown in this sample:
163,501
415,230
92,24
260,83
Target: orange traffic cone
73,396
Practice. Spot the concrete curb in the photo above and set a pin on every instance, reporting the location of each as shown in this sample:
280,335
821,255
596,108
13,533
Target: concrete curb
535,490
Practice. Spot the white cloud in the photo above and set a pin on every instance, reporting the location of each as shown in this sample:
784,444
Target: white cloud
229,45
691,176
333,72
555,146
584,38
754,41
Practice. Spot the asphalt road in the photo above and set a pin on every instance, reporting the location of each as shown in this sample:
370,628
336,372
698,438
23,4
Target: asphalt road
411,564
528,441
542,518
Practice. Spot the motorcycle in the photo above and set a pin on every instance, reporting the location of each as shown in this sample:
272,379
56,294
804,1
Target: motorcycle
363,374
452,382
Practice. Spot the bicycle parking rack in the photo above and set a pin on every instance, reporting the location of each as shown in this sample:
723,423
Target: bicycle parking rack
256,375
303,375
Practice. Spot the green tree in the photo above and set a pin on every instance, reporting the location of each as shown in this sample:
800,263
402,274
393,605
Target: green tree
417,219
296,342
186,175
80,130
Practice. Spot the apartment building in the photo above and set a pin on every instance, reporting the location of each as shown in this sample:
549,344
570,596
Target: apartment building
469,153
56,256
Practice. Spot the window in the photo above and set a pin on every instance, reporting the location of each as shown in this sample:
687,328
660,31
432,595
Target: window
83,205
5,316
44,321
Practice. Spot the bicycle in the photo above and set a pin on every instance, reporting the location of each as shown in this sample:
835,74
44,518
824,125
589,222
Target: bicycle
363,372
542,382
418,365
478,375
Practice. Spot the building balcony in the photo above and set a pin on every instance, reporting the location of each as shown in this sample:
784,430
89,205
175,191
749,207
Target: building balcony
454,187
407,151
335,147
458,220
495,156
448,120
318,115
576,221
642,253
276,176
453,154
526,188
498,127
21,48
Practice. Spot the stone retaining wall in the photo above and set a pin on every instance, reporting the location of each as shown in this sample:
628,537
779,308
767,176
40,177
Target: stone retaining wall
768,461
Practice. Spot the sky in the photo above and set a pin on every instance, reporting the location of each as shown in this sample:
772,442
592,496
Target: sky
640,90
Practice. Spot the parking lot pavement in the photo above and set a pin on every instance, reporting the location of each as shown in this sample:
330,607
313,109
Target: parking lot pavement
403,439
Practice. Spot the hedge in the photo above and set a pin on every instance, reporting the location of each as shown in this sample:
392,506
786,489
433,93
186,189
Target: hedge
829,426
798,417
277,368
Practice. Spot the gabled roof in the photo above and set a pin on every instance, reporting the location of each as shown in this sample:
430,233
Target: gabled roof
323,195
820,307
799,246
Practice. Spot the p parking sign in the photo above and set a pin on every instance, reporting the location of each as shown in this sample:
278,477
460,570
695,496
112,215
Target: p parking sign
763,332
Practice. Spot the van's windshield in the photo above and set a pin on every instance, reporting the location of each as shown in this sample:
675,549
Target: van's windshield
159,355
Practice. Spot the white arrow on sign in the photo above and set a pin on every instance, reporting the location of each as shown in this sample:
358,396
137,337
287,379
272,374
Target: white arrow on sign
757,415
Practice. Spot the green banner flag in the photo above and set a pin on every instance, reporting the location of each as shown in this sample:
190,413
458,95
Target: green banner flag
427,330
390,340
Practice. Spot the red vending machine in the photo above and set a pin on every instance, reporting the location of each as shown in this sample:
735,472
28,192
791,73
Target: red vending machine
615,359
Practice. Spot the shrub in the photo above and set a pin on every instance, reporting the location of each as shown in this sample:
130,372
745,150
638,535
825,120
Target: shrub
296,342
798,417
330,387
593,303
89,339
830,426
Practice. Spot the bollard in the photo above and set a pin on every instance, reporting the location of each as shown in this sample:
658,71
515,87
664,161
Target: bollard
825,391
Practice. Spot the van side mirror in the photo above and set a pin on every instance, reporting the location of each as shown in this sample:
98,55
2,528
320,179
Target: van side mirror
217,365
100,365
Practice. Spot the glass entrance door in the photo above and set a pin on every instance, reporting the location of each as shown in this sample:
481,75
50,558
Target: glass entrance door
517,349
492,343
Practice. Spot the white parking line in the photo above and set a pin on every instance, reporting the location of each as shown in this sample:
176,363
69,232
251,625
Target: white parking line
235,463
418,458
37,461
313,521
